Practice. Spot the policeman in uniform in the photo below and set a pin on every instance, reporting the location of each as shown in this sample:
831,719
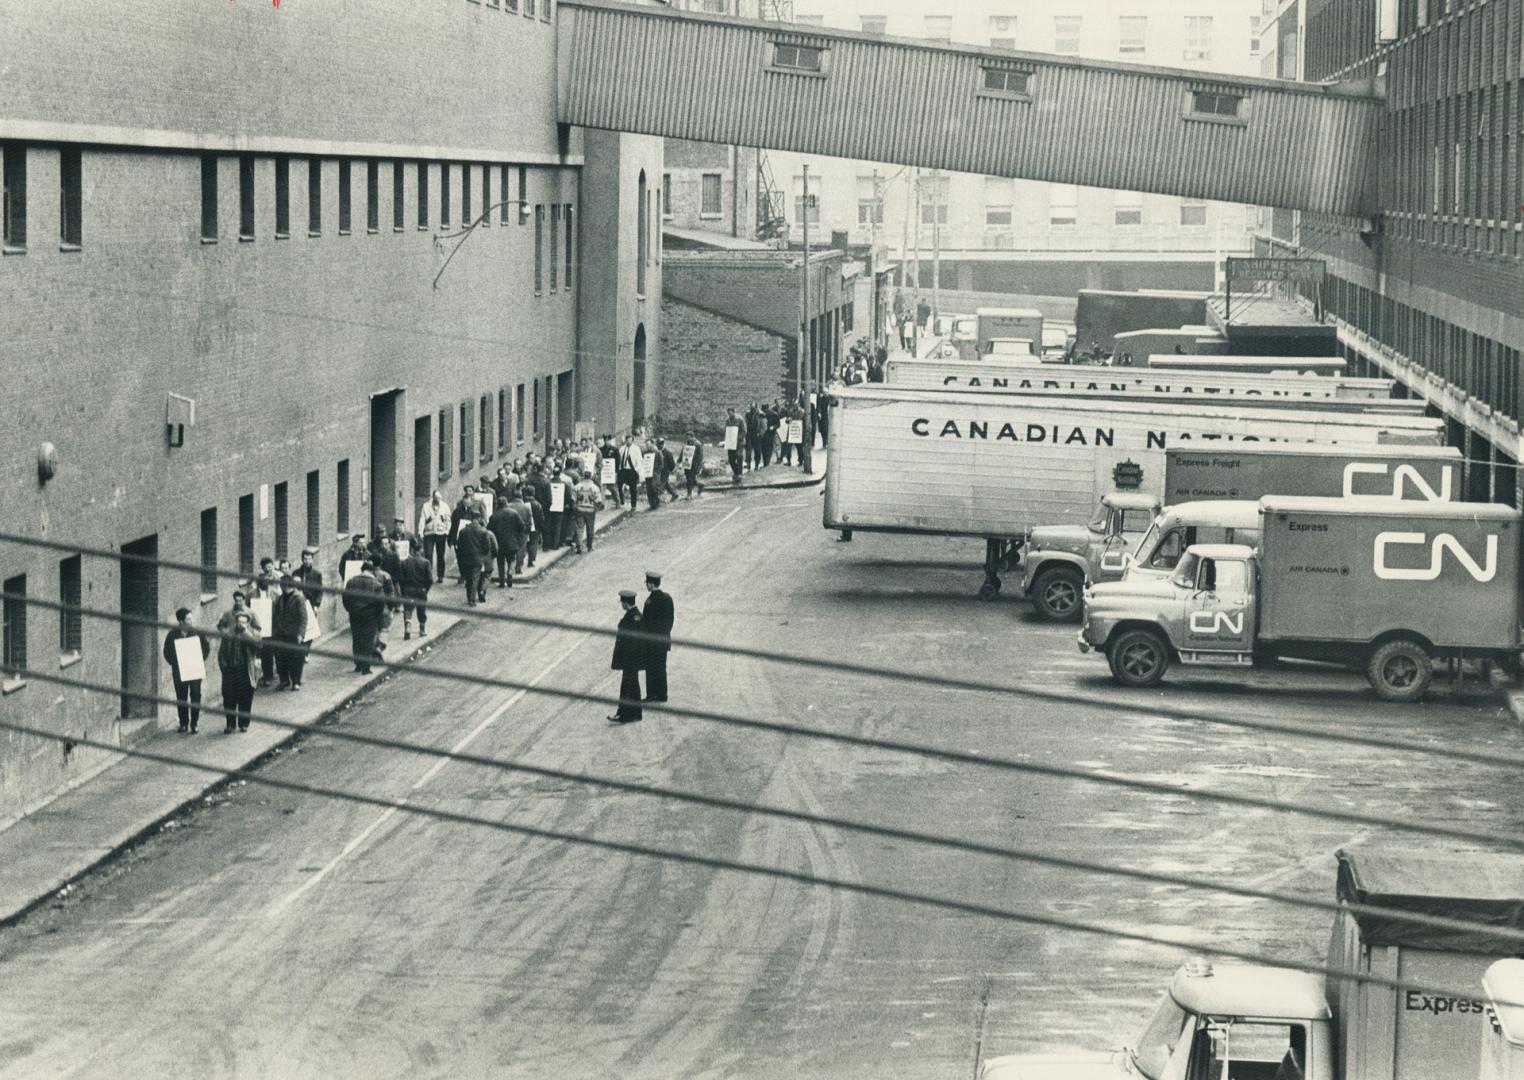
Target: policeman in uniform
629,657
656,620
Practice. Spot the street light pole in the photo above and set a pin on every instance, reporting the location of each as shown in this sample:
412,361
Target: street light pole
804,365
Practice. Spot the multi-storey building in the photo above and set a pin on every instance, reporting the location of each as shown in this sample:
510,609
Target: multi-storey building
272,273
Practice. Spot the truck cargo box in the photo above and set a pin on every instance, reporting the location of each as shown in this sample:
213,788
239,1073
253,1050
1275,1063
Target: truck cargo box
1315,365
1244,472
1503,1039
1353,570
1407,1034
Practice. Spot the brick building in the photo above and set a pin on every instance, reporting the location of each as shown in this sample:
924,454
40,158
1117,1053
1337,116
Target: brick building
249,207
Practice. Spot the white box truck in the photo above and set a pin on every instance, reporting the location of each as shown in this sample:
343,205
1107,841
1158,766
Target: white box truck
1007,324
992,466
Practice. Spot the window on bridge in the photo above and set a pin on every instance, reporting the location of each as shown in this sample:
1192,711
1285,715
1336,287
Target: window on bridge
797,57
1213,103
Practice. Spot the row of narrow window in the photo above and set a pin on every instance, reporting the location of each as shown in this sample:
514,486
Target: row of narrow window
13,197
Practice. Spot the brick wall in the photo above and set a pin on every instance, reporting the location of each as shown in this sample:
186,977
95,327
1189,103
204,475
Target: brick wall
710,363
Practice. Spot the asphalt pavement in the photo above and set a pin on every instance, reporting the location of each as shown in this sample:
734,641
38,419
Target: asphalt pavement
273,934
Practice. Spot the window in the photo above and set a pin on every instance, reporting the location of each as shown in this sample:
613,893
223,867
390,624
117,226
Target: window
445,457
805,204
399,211
1132,34
1005,81
465,435
997,202
465,194
314,197
1198,37
570,237
555,243
502,195
372,196
1214,103
870,202
486,195
246,534
511,6
529,8
934,191
502,420
545,10
518,410
1063,206
550,398
709,195
341,484
423,195
1254,24
875,24
523,200
642,234
1066,34
14,645
484,425
939,28
713,7
797,57
539,251
282,520
537,408
344,197
13,195
1128,209
1193,215
245,196
70,196
208,201
282,197
209,550
1002,24
1002,43
314,509
71,593
444,194
810,20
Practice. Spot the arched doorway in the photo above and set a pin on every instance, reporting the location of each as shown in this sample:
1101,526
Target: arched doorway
638,412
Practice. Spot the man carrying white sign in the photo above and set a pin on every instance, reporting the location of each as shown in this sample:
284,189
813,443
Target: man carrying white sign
185,651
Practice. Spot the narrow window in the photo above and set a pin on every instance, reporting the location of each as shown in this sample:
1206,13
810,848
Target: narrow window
502,419
71,197
71,593
246,534
486,195
537,408
518,410
523,194
1066,34
555,244
372,196
545,10
14,645
282,197
314,197
399,211
642,235
465,435
344,197
465,194
282,520
504,202
569,241
444,442
709,195
1132,35
209,550
444,194
314,509
539,250
208,197
341,508
13,184
245,196
529,9
666,195
423,195
484,426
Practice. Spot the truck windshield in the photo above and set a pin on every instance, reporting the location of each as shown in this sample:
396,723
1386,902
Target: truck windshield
1150,538
1157,1043
1185,570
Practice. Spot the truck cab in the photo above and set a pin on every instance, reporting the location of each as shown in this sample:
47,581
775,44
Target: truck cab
1059,560
1205,612
1218,521
1215,1022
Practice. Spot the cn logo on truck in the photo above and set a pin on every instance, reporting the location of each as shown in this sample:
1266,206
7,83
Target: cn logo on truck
1437,547
1400,474
1217,622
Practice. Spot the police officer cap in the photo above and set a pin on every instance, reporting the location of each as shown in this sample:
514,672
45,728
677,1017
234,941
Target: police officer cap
627,594
653,576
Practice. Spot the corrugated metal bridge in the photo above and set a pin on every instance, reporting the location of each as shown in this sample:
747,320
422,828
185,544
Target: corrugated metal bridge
780,86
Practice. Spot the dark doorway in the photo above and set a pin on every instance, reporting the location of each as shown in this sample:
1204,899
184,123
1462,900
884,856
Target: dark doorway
140,654
638,413
423,475
566,406
383,456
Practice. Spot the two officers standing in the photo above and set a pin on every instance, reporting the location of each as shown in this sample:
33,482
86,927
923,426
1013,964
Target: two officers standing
641,643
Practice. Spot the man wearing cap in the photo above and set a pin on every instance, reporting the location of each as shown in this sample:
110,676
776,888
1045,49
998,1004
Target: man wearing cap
365,602
629,656
656,620
288,618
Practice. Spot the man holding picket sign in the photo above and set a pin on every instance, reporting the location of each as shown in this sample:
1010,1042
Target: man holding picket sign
735,435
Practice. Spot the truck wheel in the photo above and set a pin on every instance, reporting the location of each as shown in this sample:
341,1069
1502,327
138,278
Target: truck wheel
1058,594
1138,657
1400,670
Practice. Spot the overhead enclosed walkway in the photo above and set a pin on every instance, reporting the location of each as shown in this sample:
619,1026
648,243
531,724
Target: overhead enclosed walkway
995,112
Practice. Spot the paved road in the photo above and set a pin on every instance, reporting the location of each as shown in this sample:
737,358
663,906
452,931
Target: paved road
275,935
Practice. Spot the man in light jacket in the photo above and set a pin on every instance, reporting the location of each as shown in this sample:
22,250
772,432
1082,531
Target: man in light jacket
434,527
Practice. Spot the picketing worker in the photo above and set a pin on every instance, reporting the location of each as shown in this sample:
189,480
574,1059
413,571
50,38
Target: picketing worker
356,554
267,587
414,579
238,660
693,470
668,465
627,476
656,620
733,441
434,527
587,496
509,529
240,605
475,552
366,603
310,578
536,521
629,658
288,618
187,691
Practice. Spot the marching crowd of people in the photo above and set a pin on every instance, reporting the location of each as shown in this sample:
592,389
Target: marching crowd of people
780,429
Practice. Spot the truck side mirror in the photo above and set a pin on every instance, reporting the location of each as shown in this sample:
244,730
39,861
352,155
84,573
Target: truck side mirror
1114,560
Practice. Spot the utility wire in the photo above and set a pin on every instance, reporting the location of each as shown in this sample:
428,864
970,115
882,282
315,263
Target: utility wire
775,872
935,840
842,667
914,749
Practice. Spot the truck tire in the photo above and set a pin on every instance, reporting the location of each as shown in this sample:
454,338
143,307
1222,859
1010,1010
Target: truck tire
1138,657
1400,670
1058,594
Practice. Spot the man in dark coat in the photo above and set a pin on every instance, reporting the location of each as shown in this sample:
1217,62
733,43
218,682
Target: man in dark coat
656,620
629,657
288,617
753,437
357,553
187,691
693,470
628,473
475,551
413,579
310,578
508,527
738,440
536,522
238,660
365,602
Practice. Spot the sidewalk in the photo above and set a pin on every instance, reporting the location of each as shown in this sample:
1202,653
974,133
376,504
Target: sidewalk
774,476
46,850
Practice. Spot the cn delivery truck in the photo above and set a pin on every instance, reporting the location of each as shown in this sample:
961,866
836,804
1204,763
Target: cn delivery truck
1382,585
991,466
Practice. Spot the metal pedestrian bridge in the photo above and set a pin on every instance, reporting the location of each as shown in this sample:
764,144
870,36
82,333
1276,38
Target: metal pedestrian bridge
1032,116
